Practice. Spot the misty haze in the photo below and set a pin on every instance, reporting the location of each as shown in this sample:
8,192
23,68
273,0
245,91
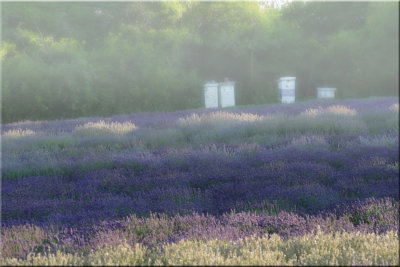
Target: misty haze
208,133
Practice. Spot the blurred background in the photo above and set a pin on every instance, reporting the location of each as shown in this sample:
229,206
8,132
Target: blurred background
68,59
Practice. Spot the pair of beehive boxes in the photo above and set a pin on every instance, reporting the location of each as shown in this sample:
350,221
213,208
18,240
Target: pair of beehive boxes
219,95
287,87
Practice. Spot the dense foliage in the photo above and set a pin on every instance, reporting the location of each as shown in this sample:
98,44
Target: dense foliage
158,187
66,59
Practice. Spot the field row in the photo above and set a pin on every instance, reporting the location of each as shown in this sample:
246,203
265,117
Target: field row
368,216
31,152
312,249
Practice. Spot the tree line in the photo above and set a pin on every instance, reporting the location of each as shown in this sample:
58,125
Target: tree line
66,59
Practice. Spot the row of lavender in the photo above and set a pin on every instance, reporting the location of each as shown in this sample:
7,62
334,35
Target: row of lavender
44,151
72,189
369,216
308,181
157,119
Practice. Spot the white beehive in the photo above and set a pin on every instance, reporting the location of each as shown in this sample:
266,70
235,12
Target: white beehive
211,95
227,93
326,92
287,87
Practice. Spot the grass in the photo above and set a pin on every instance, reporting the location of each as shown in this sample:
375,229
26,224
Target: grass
312,249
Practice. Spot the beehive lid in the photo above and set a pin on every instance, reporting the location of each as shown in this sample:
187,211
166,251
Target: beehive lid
227,83
287,78
210,85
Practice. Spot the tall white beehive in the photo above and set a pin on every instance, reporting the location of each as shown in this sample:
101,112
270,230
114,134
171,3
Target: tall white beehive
227,93
326,92
211,95
287,88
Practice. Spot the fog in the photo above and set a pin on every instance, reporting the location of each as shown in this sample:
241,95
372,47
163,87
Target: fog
67,60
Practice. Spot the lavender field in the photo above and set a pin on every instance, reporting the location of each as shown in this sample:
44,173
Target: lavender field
315,182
